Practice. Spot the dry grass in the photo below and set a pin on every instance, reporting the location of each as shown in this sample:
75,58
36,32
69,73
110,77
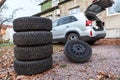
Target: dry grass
109,41
57,47
4,48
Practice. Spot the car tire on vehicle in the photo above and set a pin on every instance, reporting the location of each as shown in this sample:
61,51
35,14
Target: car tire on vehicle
32,38
32,24
33,53
77,51
72,36
32,67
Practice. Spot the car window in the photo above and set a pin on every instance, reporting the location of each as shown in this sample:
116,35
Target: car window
62,21
72,18
66,20
55,23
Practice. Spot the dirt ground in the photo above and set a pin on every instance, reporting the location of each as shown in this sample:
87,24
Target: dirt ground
103,65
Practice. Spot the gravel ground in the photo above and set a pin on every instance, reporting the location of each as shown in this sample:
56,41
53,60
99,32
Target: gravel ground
103,65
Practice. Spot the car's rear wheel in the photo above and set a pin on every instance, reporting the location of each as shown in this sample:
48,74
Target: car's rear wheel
72,36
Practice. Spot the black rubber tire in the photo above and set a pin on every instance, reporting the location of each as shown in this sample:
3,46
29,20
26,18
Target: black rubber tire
32,24
33,38
72,36
32,67
33,53
73,46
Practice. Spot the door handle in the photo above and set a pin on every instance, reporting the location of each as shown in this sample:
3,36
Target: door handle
53,29
67,26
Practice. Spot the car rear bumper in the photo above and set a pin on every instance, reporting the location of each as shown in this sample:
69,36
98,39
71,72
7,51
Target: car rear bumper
97,37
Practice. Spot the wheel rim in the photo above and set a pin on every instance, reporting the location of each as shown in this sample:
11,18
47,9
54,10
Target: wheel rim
73,37
78,49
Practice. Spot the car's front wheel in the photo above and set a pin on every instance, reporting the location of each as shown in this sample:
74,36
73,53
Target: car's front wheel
72,36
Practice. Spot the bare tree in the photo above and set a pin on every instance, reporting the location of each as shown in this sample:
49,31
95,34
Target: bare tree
2,2
4,19
8,19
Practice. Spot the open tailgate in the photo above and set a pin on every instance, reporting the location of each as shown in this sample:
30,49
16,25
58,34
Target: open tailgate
96,7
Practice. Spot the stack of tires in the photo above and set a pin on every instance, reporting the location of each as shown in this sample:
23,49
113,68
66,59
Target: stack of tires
33,40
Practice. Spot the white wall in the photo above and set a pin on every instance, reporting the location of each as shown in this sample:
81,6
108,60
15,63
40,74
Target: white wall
113,33
9,35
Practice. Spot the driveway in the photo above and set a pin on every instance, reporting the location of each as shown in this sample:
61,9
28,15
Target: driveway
103,65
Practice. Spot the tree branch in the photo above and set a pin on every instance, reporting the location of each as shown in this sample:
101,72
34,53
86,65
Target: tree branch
2,2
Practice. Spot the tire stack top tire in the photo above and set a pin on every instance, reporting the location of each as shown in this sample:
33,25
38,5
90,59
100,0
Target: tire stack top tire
33,40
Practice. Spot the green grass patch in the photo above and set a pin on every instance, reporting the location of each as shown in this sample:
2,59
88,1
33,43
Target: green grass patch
6,45
63,65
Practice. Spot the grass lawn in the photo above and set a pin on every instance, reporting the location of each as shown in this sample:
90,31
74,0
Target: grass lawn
6,45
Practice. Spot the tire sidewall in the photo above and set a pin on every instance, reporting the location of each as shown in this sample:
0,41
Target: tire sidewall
70,35
75,58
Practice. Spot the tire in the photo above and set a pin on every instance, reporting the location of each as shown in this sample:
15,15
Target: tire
32,24
33,53
73,36
32,67
77,51
34,38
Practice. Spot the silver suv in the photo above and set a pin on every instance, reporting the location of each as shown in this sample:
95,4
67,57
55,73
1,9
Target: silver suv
77,26
80,26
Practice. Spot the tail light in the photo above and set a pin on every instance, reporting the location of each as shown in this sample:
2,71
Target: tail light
88,23
91,33
94,0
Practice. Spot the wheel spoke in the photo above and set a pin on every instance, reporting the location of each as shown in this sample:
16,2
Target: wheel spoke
78,49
